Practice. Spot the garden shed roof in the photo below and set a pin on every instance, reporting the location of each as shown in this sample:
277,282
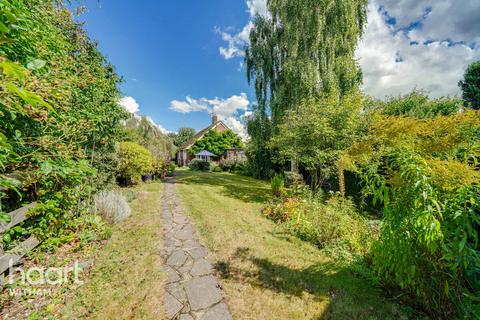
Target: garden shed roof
205,153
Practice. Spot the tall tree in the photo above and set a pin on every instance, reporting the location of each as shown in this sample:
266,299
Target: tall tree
470,86
143,132
301,50
182,136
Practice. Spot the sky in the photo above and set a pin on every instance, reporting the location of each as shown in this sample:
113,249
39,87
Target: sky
183,60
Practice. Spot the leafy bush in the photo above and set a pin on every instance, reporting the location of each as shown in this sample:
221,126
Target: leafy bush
112,206
278,185
60,119
135,161
293,178
199,165
216,168
331,224
171,169
425,173
234,165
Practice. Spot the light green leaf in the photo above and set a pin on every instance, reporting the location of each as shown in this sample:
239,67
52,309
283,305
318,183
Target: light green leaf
36,64
13,70
3,28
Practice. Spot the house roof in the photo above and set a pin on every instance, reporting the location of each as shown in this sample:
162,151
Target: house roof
200,134
205,153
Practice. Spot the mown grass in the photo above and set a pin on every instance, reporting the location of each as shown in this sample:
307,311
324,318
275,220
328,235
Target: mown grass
266,273
126,281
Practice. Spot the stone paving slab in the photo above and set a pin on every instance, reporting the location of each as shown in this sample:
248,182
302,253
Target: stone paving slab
192,292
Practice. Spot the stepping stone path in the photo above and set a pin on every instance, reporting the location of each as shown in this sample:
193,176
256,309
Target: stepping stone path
192,292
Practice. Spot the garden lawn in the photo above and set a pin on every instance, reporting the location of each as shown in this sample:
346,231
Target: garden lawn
265,273
126,281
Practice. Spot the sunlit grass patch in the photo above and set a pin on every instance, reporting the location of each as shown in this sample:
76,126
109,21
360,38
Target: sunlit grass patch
266,272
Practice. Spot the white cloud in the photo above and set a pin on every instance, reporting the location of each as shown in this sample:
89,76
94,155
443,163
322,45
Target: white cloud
226,107
257,7
227,110
190,105
129,104
132,106
236,42
440,19
236,126
426,44
159,126
396,59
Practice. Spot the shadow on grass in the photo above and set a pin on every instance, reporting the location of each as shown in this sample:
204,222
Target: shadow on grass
348,297
236,186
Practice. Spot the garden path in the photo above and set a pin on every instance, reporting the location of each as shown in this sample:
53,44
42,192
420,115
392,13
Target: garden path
192,291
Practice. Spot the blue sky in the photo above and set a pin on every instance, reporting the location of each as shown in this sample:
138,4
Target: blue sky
168,50
182,59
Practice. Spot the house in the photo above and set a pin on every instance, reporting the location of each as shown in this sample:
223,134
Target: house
183,154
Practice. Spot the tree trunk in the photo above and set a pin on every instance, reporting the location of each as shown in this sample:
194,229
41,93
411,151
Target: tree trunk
341,180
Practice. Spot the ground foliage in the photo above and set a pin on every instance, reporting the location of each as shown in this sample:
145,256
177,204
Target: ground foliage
60,120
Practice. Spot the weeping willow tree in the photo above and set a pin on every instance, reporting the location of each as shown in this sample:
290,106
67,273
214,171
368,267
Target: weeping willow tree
145,133
303,49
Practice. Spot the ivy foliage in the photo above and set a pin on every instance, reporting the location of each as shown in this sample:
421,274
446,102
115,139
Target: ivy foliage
216,142
59,117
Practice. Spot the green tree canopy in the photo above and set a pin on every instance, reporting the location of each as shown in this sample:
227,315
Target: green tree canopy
217,142
470,86
143,132
302,50
183,135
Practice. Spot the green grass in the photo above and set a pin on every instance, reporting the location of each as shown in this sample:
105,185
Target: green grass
126,281
266,273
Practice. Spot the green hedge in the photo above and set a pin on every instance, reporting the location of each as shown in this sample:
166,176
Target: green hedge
60,120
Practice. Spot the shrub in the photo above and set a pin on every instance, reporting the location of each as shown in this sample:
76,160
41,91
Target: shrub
425,174
200,165
332,224
216,168
227,165
135,161
112,206
59,118
171,169
293,178
278,185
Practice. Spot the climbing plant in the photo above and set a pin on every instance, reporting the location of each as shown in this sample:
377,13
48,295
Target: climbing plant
60,120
